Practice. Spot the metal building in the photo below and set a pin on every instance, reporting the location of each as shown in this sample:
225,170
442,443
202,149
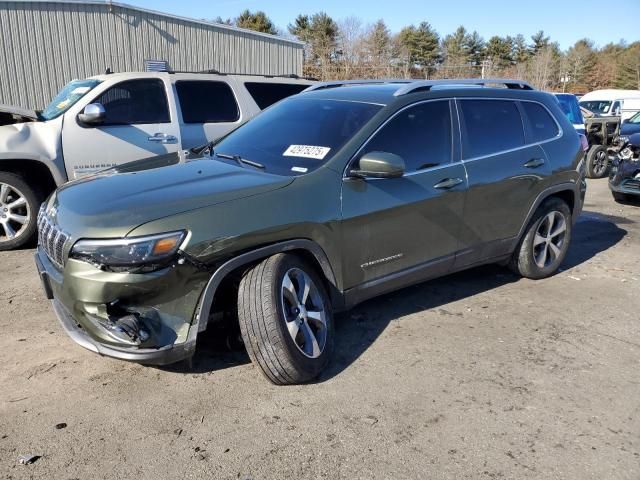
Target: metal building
45,44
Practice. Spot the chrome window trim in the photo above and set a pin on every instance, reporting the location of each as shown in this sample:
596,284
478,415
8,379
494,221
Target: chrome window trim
515,149
375,132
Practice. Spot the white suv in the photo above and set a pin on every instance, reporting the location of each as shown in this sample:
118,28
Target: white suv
111,119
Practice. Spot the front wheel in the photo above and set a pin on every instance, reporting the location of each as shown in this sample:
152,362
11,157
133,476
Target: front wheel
597,162
285,319
19,205
545,242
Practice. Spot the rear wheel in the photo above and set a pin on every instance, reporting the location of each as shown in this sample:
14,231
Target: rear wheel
546,241
597,162
19,205
285,319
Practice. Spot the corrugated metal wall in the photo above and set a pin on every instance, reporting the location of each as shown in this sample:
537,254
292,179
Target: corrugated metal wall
43,45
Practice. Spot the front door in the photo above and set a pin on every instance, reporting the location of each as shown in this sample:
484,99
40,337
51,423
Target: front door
137,125
398,227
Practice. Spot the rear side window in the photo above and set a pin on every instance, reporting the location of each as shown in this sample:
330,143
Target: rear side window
266,94
203,101
135,102
490,126
421,135
541,125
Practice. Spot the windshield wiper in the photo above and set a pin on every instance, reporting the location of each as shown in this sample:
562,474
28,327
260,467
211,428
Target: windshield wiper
241,161
202,148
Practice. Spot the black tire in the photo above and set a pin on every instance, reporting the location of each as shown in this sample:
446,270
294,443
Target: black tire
264,324
27,232
597,162
621,197
523,261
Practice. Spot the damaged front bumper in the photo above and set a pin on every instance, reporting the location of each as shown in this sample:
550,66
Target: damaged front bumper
624,177
146,318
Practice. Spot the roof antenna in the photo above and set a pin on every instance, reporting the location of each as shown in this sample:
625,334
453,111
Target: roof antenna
108,71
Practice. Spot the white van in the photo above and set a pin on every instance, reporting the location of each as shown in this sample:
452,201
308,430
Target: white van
622,103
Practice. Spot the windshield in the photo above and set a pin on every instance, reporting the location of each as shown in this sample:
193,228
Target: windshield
569,105
68,96
635,119
597,106
297,135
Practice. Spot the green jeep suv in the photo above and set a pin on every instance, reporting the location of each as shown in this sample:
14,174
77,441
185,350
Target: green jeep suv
330,197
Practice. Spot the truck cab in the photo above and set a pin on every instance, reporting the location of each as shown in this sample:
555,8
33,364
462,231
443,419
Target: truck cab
107,120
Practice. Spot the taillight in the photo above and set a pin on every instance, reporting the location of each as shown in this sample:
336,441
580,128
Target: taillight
583,142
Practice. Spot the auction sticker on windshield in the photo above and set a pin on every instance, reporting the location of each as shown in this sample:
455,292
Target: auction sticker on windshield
306,151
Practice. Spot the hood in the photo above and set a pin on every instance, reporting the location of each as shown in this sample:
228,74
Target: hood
10,115
111,204
629,128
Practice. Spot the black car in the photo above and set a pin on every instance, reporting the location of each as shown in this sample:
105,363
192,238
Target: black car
624,178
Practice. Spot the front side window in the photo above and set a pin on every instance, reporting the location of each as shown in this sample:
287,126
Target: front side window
541,124
490,126
597,106
203,101
297,135
68,96
135,102
266,94
635,119
421,135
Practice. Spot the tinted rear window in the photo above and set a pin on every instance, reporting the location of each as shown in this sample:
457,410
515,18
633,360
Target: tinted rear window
569,106
266,94
203,101
541,124
490,126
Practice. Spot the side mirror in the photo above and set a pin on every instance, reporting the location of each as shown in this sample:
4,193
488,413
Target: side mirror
379,165
93,114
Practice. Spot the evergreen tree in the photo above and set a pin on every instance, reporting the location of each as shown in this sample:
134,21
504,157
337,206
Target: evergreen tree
256,21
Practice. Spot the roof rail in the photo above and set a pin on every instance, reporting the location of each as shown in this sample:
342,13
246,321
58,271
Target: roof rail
342,83
424,85
213,71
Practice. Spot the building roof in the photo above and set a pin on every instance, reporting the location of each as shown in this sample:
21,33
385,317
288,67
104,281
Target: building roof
222,26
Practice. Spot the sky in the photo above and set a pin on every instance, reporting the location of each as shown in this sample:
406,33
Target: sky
565,21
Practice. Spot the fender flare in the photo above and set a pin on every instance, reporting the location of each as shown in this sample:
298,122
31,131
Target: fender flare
546,193
57,177
206,299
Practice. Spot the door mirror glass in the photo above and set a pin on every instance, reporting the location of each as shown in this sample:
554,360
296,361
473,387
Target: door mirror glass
379,165
93,114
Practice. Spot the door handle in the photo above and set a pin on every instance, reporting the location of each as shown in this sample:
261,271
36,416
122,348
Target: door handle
163,138
534,163
448,183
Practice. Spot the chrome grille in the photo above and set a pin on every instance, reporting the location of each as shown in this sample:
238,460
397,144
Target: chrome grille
51,239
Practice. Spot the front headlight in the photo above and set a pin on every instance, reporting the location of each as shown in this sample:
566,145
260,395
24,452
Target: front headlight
125,253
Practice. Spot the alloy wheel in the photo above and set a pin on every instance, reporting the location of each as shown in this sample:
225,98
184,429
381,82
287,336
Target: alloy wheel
304,312
549,239
600,163
15,213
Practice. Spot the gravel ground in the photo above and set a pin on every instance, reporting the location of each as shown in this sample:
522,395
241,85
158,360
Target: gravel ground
477,375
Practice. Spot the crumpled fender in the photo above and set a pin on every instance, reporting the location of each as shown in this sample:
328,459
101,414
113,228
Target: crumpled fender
39,141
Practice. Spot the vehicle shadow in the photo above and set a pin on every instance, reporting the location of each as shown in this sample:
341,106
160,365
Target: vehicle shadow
359,328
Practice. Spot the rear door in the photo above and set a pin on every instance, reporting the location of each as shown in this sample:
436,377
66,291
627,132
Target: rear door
507,169
208,110
138,124
409,224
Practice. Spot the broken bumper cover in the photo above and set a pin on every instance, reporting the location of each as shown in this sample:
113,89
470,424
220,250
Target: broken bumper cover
148,356
52,281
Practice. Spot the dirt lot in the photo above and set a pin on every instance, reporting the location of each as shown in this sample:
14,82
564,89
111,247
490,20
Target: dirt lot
478,375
